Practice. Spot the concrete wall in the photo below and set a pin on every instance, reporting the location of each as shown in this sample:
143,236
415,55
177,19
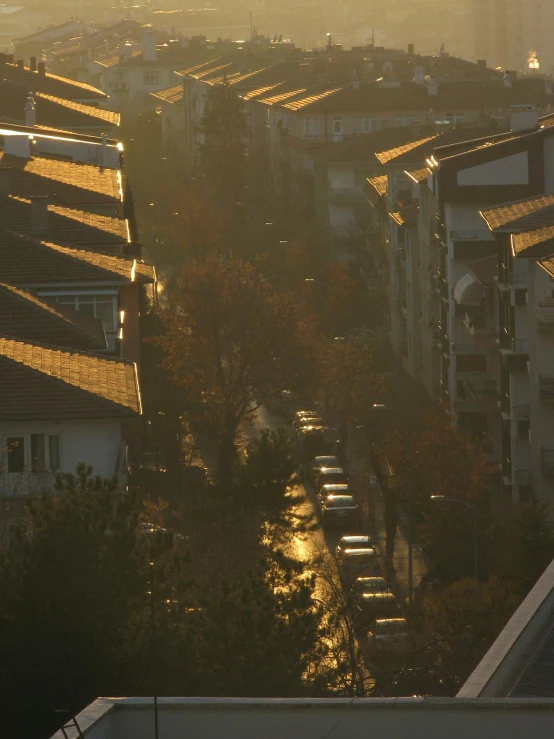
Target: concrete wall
96,442
235,718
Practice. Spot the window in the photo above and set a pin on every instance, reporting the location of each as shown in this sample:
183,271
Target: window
100,306
151,78
15,447
367,124
455,117
54,452
311,127
337,124
404,120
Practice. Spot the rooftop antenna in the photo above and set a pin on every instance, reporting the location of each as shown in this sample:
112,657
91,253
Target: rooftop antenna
251,27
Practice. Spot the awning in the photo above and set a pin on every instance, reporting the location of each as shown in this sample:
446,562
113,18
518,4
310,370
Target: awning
468,291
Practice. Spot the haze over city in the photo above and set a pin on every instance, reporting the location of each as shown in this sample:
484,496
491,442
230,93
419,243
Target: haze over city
276,369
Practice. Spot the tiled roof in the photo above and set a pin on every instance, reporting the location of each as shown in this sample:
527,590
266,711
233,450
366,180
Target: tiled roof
304,102
51,84
280,97
31,262
189,70
25,316
418,175
476,94
536,244
52,111
89,110
67,226
525,213
406,216
170,94
47,382
380,184
72,183
363,146
400,151
113,60
259,91
548,265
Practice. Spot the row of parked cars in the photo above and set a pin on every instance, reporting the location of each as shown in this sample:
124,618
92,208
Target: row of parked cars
357,559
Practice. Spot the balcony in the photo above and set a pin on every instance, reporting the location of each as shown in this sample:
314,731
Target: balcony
515,354
518,280
546,389
476,394
545,315
479,234
346,194
480,324
547,462
520,412
399,253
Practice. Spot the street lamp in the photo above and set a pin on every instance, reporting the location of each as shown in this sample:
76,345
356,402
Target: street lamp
311,281
443,499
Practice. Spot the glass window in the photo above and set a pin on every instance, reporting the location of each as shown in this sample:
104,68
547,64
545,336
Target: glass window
311,127
54,452
38,453
337,125
455,117
102,307
16,453
151,78
367,124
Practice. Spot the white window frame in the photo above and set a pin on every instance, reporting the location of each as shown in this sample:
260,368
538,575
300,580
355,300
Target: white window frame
151,78
456,117
27,456
368,124
404,120
311,127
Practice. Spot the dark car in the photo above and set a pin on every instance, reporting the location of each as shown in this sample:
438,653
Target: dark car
369,585
305,417
340,510
353,541
378,605
323,461
316,440
331,489
330,476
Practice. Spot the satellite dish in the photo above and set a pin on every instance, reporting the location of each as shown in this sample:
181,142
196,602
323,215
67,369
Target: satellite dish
388,67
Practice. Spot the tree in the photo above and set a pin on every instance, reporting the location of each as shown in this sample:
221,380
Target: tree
72,582
231,342
223,153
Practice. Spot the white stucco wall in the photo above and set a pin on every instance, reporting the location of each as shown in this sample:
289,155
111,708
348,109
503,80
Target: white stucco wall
512,170
95,442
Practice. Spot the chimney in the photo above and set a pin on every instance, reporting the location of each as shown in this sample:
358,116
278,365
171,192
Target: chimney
10,58
20,64
39,214
524,117
510,75
149,53
411,48
30,112
41,68
481,67
5,181
33,64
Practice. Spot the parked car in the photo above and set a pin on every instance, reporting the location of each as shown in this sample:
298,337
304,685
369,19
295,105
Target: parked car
378,605
369,585
316,440
353,541
327,490
304,417
323,461
389,634
355,563
330,476
340,510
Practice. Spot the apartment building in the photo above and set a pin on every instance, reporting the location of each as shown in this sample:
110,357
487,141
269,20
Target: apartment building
466,327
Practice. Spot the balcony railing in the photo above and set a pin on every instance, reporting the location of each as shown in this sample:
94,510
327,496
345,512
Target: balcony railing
519,346
546,388
480,234
545,314
521,412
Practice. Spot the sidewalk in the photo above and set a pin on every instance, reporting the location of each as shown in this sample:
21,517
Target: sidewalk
356,452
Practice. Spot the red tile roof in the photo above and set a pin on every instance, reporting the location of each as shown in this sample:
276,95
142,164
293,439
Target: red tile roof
67,183
32,262
548,265
46,382
380,184
67,226
171,95
51,84
406,149
417,175
536,244
527,213
25,316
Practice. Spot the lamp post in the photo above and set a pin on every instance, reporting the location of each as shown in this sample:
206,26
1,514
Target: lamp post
311,281
471,507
